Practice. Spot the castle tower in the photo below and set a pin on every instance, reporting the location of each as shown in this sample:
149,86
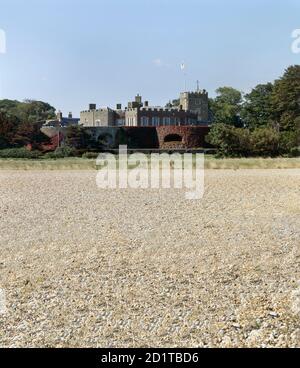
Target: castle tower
59,116
138,99
196,102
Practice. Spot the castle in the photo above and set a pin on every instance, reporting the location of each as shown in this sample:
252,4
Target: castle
61,121
182,124
192,110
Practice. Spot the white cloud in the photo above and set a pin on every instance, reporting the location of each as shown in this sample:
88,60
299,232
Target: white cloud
159,63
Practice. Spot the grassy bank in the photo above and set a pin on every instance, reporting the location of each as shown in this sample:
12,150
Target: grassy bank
44,164
210,163
252,163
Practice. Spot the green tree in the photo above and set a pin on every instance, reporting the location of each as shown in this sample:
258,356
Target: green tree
257,107
230,141
20,122
33,111
226,107
7,131
77,137
286,99
29,133
264,141
29,111
289,142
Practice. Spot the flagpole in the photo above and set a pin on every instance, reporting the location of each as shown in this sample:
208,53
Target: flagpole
183,68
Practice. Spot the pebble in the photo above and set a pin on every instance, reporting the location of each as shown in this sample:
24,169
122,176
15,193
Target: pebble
85,267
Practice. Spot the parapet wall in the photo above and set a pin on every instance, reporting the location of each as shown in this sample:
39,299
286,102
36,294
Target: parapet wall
162,137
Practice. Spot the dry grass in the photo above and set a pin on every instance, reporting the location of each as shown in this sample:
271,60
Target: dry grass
252,163
59,164
210,163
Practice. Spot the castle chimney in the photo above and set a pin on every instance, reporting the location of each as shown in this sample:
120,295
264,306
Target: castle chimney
119,106
146,103
70,116
92,106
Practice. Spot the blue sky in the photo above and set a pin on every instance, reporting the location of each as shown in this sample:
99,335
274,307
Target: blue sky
73,52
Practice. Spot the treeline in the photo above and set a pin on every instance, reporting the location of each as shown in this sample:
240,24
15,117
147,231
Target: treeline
265,122
20,122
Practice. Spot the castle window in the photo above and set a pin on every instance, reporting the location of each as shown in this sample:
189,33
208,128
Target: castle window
144,121
155,121
166,121
131,122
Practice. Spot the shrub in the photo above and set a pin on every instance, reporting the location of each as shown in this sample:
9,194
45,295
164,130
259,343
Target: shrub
233,142
289,143
61,152
264,142
294,152
229,140
19,153
90,155
77,137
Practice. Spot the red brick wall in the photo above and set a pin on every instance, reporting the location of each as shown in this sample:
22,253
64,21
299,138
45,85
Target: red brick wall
192,136
147,137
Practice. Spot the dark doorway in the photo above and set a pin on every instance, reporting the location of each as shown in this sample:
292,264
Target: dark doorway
173,138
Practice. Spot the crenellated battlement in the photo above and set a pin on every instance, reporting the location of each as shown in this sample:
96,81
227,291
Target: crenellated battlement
196,102
160,109
195,94
191,109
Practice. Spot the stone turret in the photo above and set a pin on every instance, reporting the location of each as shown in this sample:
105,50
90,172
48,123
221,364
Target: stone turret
196,102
